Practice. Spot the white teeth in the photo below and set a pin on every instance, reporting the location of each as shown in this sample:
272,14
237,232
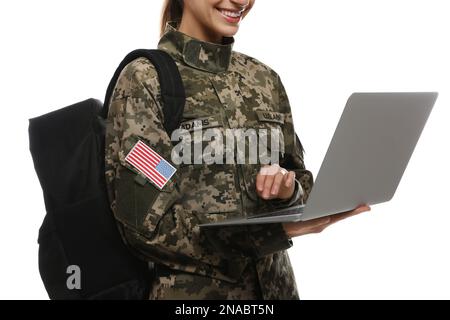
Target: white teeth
231,13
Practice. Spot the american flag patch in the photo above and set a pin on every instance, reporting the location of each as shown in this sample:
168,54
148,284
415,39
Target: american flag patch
150,164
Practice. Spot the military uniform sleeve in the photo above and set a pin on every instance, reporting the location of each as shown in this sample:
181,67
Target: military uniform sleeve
293,157
139,205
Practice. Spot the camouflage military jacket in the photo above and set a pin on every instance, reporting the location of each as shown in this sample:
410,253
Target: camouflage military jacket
224,89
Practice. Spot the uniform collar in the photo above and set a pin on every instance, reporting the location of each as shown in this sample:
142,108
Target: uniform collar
206,56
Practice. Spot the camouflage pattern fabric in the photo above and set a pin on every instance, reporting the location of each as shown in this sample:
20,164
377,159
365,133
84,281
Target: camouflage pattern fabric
226,90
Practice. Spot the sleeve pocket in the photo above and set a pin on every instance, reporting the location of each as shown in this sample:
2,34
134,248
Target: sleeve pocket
140,205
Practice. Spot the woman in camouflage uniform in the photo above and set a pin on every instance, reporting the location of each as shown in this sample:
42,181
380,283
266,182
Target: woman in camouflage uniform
224,90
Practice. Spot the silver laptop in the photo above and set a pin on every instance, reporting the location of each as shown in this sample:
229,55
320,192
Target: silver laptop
370,149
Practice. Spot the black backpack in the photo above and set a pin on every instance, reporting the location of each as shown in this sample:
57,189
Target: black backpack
81,252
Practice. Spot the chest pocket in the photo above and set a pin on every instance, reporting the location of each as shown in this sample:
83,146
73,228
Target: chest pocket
207,184
201,140
264,132
269,126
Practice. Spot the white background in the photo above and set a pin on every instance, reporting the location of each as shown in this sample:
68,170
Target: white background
55,53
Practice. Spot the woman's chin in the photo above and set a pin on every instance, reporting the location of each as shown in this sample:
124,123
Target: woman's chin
227,30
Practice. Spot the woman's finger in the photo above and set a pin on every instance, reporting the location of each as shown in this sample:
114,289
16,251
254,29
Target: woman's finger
315,223
345,215
267,185
304,227
260,181
276,184
289,179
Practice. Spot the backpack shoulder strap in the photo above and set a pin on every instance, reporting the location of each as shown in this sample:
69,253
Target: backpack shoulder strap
172,89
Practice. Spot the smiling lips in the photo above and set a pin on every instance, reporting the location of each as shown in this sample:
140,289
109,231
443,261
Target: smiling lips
231,16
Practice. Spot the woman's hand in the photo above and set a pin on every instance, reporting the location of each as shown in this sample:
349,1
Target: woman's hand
274,182
295,229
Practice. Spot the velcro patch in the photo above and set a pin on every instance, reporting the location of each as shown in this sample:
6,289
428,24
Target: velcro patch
201,123
270,116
